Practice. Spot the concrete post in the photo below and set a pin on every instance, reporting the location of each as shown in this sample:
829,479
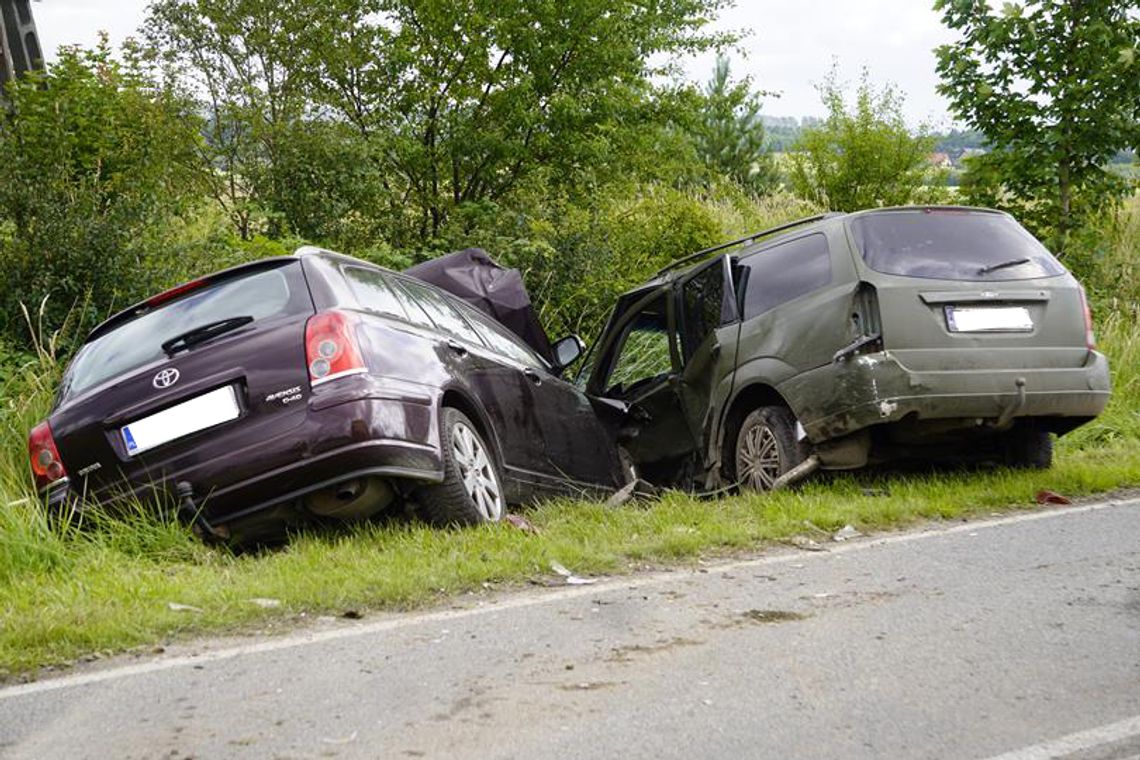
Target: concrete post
20,50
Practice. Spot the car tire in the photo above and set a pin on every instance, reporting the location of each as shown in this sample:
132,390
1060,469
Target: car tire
1028,448
472,490
766,448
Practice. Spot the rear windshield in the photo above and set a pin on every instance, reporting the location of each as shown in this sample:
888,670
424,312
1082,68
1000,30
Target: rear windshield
951,245
261,295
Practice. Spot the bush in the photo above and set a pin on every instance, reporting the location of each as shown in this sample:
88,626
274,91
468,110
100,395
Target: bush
96,158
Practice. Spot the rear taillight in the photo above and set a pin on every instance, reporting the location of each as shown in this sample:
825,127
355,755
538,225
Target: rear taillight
1090,336
47,467
331,348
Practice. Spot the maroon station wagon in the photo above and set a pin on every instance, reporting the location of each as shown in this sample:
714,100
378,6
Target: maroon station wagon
316,385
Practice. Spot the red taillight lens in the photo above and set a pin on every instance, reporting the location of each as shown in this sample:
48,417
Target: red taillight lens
331,349
47,467
1090,336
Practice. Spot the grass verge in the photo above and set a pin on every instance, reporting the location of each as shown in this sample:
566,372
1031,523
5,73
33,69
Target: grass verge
67,596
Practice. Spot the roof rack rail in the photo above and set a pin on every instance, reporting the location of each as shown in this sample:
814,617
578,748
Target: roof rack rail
745,240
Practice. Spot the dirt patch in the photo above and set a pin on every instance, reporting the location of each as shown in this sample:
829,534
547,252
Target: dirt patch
770,616
627,653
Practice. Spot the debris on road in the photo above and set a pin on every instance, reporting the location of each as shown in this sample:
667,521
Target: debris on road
571,579
631,490
346,740
265,603
1052,497
846,533
521,523
807,544
176,607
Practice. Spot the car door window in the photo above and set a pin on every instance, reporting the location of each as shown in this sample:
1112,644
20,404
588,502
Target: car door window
373,292
704,307
499,339
644,354
442,313
784,272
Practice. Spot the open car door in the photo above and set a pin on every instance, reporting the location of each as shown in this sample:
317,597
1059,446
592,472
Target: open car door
640,364
707,326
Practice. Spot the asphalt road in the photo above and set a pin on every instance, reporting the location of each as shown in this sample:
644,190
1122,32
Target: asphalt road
1017,638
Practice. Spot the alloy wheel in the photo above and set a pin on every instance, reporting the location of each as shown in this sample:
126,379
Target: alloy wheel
477,472
758,459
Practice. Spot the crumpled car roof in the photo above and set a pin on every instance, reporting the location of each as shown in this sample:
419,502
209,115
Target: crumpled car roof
473,276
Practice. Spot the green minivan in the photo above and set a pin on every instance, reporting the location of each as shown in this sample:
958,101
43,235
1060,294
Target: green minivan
843,339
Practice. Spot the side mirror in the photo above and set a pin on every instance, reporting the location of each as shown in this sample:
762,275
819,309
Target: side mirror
567,351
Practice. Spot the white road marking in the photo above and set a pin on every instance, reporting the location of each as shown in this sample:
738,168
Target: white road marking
292,641
1083,740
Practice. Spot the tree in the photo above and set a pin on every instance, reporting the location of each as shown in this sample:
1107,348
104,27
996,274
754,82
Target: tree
861,158
1054,85
97,162
466,100
729,134
239,59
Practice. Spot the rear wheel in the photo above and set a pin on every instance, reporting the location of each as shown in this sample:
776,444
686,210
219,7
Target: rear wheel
766,448
471,491
1028,448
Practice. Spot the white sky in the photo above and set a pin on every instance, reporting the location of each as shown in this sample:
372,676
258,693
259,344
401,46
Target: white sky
790,48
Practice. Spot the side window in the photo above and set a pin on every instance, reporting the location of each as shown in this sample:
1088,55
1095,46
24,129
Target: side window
500,339
442,313
784,272
644,350
704,307
373,291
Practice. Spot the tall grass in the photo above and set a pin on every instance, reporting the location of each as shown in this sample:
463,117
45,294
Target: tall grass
66,593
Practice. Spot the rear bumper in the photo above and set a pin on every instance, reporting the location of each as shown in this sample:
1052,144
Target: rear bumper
875,389
341,438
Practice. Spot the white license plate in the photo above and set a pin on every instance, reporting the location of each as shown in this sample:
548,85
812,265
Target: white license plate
191,416
989,319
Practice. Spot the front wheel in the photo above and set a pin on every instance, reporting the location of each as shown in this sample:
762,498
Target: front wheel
471,491
766,448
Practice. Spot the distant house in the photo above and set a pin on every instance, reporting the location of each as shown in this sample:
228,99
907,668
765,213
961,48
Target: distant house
940,161
971,153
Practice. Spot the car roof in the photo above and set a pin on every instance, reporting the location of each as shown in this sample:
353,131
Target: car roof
759,240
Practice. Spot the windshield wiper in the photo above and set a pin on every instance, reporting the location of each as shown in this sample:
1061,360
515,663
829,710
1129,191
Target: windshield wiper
203,333
1003,265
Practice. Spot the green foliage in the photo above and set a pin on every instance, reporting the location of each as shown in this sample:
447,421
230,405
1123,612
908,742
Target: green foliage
1054,86
96,157
442,103
577,255
862,157
729,133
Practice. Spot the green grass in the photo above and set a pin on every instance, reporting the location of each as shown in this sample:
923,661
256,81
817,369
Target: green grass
110,589
67,594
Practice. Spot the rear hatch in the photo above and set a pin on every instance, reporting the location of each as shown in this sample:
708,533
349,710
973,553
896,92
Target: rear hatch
967,289
188,383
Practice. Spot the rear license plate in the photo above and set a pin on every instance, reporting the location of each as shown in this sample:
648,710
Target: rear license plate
988,319
191,416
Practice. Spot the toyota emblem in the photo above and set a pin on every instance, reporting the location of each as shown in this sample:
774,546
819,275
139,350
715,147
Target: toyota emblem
166,378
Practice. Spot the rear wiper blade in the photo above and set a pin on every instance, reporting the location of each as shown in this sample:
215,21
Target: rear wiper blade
203,333
1003,265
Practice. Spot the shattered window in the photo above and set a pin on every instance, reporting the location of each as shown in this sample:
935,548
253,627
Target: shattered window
644,355
705,308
